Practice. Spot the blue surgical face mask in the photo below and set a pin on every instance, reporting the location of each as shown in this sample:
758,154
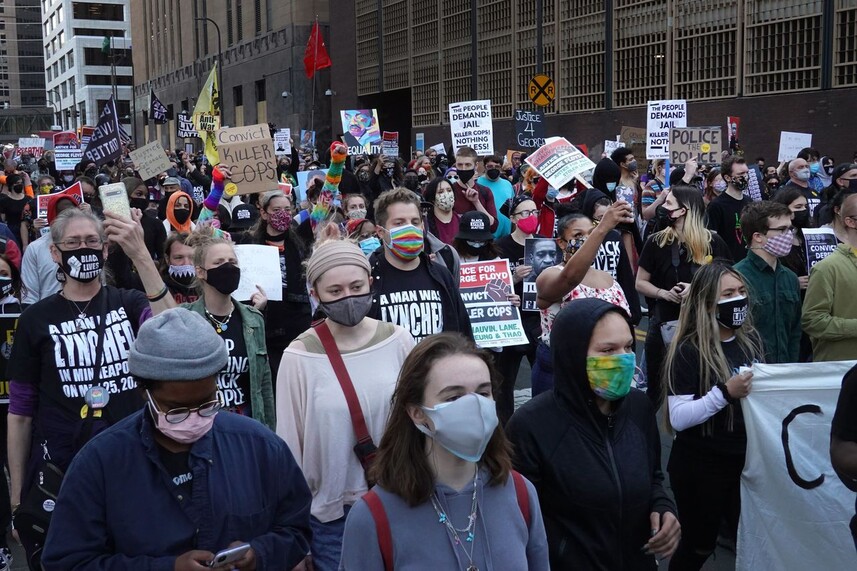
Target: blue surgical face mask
611,186
814,167
370,244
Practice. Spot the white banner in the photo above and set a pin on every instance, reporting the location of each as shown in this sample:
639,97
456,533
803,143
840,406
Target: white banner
794,510
260,265
471,126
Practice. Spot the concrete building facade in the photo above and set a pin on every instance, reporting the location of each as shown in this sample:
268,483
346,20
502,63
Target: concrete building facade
22,79
262,44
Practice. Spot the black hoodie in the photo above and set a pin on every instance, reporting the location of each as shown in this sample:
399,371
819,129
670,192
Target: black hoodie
598,477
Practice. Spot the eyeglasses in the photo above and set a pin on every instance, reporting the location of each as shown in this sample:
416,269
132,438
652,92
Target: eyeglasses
180,414
75,243
525,213
782,229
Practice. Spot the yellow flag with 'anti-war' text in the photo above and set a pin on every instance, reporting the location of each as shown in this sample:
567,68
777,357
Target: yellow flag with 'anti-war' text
206,116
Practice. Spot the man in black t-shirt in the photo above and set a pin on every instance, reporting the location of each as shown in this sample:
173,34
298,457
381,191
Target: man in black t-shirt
843,438
724,212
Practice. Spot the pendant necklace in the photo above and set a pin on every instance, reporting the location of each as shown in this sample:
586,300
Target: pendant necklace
80,320
469,531
219,326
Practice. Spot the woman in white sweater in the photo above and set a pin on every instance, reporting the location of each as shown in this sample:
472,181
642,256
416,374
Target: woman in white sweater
313,414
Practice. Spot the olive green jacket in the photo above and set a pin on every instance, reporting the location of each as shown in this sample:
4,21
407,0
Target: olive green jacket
261,386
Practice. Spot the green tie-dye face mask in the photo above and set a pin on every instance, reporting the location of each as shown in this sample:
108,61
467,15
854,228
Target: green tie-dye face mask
610,376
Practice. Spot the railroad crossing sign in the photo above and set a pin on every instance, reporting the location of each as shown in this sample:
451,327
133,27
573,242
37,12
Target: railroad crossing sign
542,90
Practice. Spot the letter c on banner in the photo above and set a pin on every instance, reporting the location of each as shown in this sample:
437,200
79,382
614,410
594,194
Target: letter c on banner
796,478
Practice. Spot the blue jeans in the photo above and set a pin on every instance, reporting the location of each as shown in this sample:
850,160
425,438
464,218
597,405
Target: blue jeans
542,379
326,547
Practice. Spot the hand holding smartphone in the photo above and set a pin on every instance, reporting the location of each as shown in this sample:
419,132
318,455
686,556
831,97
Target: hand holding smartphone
229,556
114,198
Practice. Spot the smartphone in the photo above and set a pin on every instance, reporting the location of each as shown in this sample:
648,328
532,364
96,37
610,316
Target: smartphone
114,198
229,556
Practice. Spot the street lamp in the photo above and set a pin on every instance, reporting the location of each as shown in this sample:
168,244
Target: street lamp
219,57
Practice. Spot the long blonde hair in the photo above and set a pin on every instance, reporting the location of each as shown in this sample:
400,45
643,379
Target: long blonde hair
695,235
697,327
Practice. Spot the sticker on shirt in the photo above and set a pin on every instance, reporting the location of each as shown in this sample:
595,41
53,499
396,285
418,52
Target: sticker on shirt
183,479
84,267
229,388
419,312
75,343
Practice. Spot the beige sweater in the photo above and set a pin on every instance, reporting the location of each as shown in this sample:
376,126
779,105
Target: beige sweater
313,419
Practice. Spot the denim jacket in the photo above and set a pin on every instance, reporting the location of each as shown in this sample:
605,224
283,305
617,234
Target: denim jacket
261,386
119,509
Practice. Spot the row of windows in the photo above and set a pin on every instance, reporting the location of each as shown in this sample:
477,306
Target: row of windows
60,66
689,49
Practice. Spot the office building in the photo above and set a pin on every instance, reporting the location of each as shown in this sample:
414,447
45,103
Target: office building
22,80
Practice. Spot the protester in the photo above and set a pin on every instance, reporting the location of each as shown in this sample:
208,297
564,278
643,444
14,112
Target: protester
624,158
840,180
386,174
196,480
469,194
410,289
16,206
39,271
178,213
286,319
354,206
312,402
830,308
592,448
54,347
843,439
177,269
442,221
724,212
715,186
574,279
813,162
653,194
799,175
773,288
669,259
446,492
154,232
795,260
474,242
714,338
500,188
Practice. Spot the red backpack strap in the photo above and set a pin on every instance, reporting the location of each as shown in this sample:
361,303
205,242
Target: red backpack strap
523,496
382,528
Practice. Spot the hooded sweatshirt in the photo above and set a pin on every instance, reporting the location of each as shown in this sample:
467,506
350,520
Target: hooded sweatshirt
171,224
598,477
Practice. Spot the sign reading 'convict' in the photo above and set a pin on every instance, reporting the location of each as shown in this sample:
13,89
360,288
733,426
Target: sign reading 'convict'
249,154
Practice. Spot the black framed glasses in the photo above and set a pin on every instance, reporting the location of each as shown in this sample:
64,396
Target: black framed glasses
180,414
75,243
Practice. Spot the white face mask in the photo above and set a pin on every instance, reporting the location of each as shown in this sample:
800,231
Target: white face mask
464,426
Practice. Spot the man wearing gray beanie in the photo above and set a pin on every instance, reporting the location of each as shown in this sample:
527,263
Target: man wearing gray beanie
173,485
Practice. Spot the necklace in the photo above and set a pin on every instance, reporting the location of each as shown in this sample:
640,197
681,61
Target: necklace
219,326
453,531
80,320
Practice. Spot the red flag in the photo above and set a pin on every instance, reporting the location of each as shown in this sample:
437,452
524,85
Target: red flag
315,56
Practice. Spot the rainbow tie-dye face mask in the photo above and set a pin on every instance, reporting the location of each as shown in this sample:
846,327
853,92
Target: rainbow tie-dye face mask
406,242
610,376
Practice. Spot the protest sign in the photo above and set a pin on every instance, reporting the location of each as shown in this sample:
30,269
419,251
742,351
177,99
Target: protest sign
819,243
471,126
249,153
260,265
794,509
362,133
792,143
530,127
67,151
42,200
33,146
86,135
305,177
184,126
610,146
282,146
732,125
540,253
661,117
635,139
150,160
439,149
421,142
105,144
485,287
8,325
390,143
559,161
702,143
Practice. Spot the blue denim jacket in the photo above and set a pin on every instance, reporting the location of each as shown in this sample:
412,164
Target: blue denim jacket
120,510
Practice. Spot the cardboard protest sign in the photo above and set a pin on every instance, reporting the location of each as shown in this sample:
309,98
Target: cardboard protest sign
362,133
282,146
792,143
471,126
184,126
661,117
8,325
635,139
42,200
530,129
249,153
820,243
33,146
67,151
150,160
610,146
559,161
390,143
702,143
540,253
260,265
305,177
485,287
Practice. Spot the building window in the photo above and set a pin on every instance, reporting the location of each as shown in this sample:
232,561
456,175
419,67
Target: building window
260,90
70,60
239,19
238,96
98,11
229,39
257,15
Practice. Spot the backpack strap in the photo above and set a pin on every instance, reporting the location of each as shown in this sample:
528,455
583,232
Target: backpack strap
522,495
382,528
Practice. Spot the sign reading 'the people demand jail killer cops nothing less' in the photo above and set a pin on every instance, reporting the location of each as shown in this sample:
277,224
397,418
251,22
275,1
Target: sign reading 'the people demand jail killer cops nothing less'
471,126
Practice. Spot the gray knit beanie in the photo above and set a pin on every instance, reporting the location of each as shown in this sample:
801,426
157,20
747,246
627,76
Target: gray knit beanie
177,345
